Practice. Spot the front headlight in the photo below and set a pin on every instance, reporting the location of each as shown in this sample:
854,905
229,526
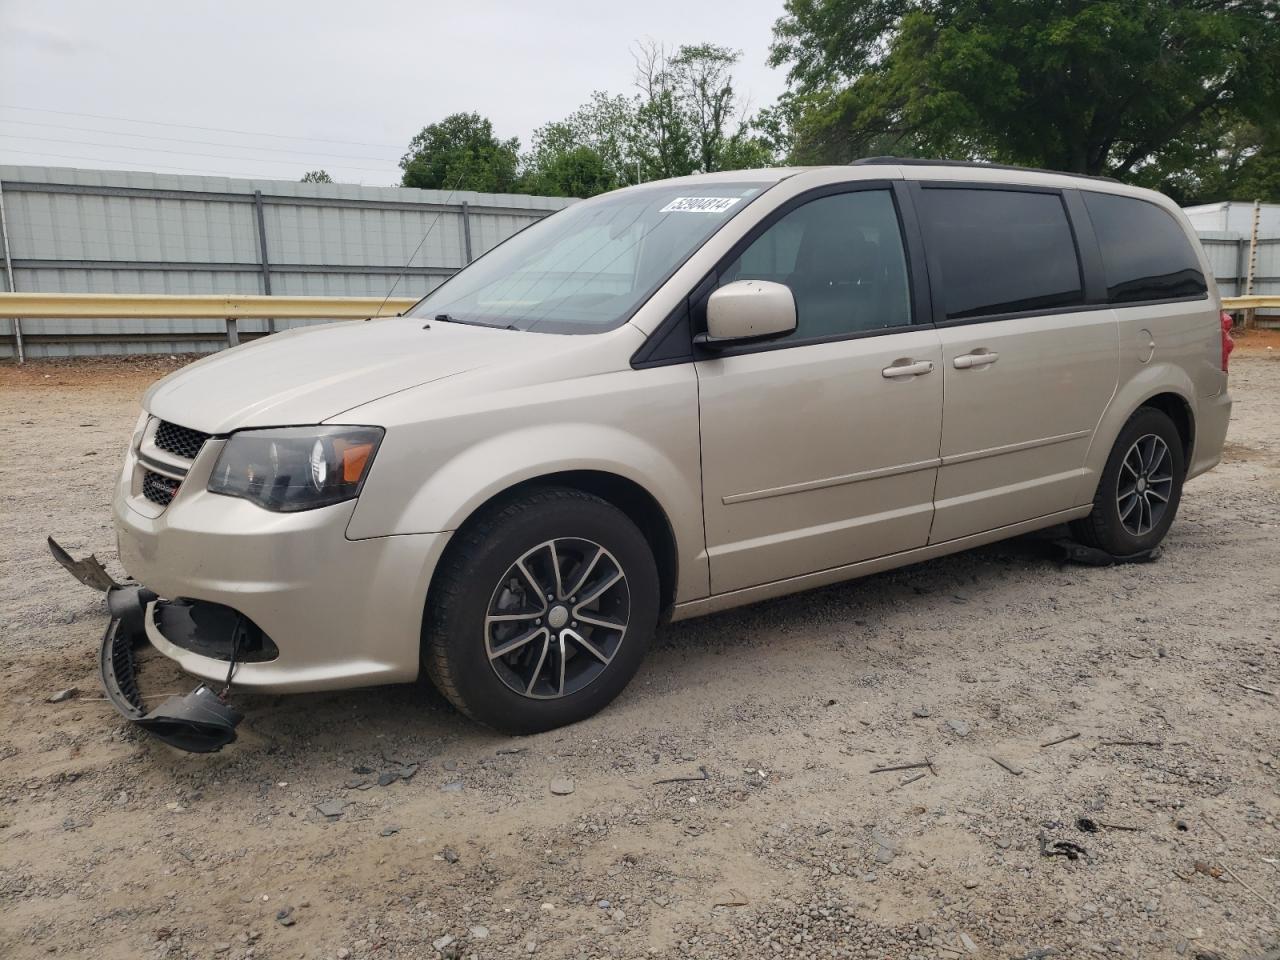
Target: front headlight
295,468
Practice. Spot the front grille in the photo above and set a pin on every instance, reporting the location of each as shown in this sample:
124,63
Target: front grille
158,488
180,441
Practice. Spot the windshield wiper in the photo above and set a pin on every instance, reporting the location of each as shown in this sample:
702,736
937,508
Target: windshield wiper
449,318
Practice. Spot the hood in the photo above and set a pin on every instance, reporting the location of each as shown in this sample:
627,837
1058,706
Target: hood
308,375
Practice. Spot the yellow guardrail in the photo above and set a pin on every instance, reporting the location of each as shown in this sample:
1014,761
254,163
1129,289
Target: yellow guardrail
1249,303
130,306
228,308
232,308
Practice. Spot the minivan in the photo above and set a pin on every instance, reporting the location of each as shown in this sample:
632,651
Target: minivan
667,401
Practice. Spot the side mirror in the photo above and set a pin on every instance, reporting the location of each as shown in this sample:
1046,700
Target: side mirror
749,310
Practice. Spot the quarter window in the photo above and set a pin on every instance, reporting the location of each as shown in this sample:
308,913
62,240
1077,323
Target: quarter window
1145,254
843,258
1000,251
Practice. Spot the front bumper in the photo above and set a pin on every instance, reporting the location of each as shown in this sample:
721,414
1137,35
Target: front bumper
342,613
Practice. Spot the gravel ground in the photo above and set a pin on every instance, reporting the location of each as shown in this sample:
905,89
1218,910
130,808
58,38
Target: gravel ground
776,838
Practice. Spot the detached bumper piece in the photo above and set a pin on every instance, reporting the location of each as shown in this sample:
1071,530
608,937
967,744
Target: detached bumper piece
199,722
1071,551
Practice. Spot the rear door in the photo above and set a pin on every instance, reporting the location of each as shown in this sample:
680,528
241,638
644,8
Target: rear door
1029,357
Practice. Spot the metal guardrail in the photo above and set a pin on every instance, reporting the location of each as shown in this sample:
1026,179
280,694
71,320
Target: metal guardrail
1246,310
132,306
231,308
1249,303
228,308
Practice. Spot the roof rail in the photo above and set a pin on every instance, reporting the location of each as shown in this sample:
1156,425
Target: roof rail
981,165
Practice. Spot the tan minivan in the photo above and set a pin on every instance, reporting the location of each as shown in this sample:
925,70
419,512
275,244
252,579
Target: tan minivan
667,401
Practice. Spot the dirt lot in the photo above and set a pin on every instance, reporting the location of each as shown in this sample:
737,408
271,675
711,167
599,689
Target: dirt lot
115,846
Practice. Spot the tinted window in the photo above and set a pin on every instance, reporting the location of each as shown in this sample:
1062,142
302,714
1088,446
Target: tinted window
1000,251
1145,254
843,259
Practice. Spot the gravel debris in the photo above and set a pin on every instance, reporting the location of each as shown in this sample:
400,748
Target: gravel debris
792,850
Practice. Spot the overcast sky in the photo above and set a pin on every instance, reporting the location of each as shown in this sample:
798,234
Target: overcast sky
253,82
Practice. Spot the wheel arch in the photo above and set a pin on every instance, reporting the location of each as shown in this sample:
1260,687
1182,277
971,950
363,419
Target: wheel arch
640,506
1177,409
1163,386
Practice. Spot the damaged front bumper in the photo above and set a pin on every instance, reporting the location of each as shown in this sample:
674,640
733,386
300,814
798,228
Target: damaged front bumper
199,722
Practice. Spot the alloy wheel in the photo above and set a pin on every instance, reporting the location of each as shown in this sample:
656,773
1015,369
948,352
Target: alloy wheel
557,618
1145,484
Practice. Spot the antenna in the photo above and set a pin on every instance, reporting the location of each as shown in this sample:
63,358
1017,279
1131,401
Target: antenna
431,226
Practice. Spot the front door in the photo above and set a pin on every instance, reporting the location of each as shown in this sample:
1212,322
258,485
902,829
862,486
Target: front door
821,449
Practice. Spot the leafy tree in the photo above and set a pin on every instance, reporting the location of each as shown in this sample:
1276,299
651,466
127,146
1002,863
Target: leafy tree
316,176
605,127
1113,87
1258,179
664,131
685,117
1237,162
461,153
577,171
704,81
745,151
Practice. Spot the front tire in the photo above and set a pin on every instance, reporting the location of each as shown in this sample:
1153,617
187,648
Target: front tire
541,611
1140,489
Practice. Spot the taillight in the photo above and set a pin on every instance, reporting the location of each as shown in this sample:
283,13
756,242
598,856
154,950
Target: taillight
1227,343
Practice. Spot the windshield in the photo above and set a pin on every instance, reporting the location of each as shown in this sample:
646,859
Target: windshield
590,266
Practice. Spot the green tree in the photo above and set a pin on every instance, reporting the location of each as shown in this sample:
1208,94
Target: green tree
704,79
605,128
461,153
745,151
316,176
577,171
1091,86
664,131
1222,162
684,117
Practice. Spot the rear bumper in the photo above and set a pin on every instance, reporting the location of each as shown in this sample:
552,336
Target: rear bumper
1213,416
343,613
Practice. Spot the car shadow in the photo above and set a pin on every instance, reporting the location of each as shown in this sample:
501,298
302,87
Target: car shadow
405,721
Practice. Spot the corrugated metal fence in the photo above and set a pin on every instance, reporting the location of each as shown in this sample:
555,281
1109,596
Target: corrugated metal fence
99,231
1229,255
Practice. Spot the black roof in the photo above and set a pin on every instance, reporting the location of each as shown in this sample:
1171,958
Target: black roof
923,162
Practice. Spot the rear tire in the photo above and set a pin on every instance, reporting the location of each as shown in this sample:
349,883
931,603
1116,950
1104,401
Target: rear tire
1140,488
542,609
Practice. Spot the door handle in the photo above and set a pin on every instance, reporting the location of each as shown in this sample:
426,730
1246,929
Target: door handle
968,361
912,368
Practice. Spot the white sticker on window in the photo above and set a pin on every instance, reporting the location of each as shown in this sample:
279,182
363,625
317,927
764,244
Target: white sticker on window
699,205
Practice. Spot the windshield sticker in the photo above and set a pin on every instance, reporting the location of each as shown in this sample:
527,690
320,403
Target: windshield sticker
699,205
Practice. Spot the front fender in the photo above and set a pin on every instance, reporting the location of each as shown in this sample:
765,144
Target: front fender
433,475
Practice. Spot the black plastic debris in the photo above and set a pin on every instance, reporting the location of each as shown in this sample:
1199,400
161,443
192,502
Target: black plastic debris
199,722
1062,848
88,571
1072,552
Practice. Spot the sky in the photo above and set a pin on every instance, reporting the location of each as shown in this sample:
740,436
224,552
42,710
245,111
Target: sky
274,88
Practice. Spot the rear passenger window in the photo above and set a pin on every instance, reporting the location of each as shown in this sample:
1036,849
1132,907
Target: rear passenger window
842,257
1000,251
1145,254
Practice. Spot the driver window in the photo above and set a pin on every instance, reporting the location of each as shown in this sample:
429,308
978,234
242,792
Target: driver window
843,258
